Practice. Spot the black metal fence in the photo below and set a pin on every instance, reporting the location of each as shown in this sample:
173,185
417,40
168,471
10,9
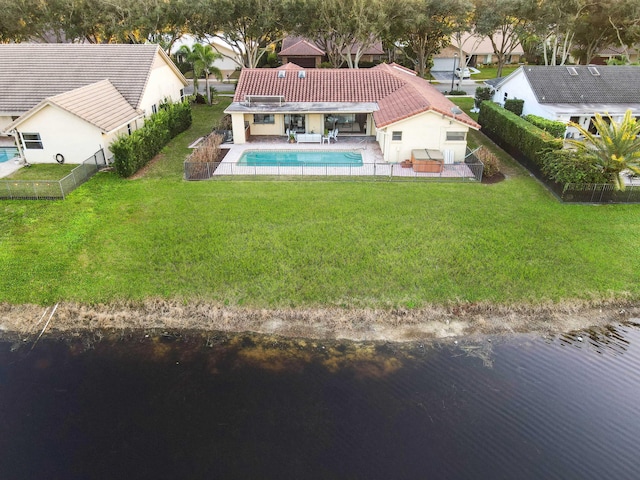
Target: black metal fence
468,171
53,189
575,192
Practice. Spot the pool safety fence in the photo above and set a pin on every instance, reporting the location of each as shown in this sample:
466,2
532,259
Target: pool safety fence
53,189
470,171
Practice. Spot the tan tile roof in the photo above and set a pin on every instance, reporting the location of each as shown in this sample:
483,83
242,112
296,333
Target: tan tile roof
31,72
302,48
398,91
99,104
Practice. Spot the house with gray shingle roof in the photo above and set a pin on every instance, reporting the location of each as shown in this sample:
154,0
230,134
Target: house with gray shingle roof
573,93
67,101
403,111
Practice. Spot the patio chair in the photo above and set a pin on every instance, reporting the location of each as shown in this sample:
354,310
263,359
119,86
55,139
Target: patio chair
333,134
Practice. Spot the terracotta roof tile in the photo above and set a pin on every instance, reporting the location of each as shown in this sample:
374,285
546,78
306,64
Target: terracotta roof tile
302,48
399,92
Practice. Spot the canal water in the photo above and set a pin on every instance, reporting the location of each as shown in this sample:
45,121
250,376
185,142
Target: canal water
250,407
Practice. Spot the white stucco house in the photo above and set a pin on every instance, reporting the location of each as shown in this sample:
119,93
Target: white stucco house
389,102
572,93
64,102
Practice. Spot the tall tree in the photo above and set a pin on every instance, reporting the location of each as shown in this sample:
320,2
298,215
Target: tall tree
614,148
249,27
501,21
344,29
428,28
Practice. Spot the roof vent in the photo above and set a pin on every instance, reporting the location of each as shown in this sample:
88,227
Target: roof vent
572,71
456,110
302,74
282,73
593,71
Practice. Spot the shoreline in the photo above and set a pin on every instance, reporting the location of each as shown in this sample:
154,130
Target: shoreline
435,322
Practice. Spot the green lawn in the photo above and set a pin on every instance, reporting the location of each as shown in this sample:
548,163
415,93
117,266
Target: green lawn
43,171
487,73
312,243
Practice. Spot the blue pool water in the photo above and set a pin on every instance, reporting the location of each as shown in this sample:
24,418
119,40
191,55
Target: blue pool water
7,153
273,158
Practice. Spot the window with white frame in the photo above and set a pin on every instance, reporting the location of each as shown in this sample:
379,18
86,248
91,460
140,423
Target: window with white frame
32,141
396,136
456,136
262,119
154,108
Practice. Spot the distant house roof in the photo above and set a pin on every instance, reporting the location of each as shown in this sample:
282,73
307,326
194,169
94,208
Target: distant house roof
32,72
583,83
398,91
481,45
293,46
300,48
99,104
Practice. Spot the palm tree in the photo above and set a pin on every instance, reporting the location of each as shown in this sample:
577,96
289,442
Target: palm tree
614,148
201,58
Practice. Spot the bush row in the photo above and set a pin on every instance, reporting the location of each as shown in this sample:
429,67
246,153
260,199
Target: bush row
134,151
555,128
515,133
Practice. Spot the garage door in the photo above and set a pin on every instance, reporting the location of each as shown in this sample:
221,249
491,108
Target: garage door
444,64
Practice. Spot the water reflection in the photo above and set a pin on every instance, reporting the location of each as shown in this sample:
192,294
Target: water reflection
220,406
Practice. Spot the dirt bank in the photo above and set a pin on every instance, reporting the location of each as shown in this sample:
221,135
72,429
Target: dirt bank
436,322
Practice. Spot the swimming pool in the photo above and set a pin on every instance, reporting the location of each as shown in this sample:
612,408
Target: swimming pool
296,158
7,153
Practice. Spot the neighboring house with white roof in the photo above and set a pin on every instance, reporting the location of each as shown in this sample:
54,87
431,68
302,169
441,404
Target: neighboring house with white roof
572,93
403,111
67,101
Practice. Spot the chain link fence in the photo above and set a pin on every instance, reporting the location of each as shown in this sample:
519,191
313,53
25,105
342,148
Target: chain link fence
53,189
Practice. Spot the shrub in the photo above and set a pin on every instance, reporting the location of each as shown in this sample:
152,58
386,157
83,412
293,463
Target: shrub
514,105
199,98
515,133
490,161
482,94
326,65
570,166
134,151
457,92
555,128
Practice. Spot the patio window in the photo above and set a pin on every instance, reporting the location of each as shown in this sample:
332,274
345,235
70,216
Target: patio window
455,136
32,141
396,136
263,119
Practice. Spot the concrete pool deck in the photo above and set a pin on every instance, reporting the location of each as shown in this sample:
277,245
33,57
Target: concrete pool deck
372,159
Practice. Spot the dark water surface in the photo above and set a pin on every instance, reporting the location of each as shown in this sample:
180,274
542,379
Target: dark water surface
260,408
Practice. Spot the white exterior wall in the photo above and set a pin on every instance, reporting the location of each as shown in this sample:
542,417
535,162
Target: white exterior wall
163,83
237,122
517,87
428,130
4,121
61,132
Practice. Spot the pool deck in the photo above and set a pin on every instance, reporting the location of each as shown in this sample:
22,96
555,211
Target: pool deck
372,159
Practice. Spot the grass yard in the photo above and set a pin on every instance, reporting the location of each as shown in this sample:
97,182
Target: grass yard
43,171
312,243
487,73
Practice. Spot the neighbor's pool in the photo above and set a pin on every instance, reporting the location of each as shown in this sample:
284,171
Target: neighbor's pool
7,153
273,158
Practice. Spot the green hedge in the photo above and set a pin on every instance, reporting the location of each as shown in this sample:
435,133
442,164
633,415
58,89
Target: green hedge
515,133
514,105
555,128
134,151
